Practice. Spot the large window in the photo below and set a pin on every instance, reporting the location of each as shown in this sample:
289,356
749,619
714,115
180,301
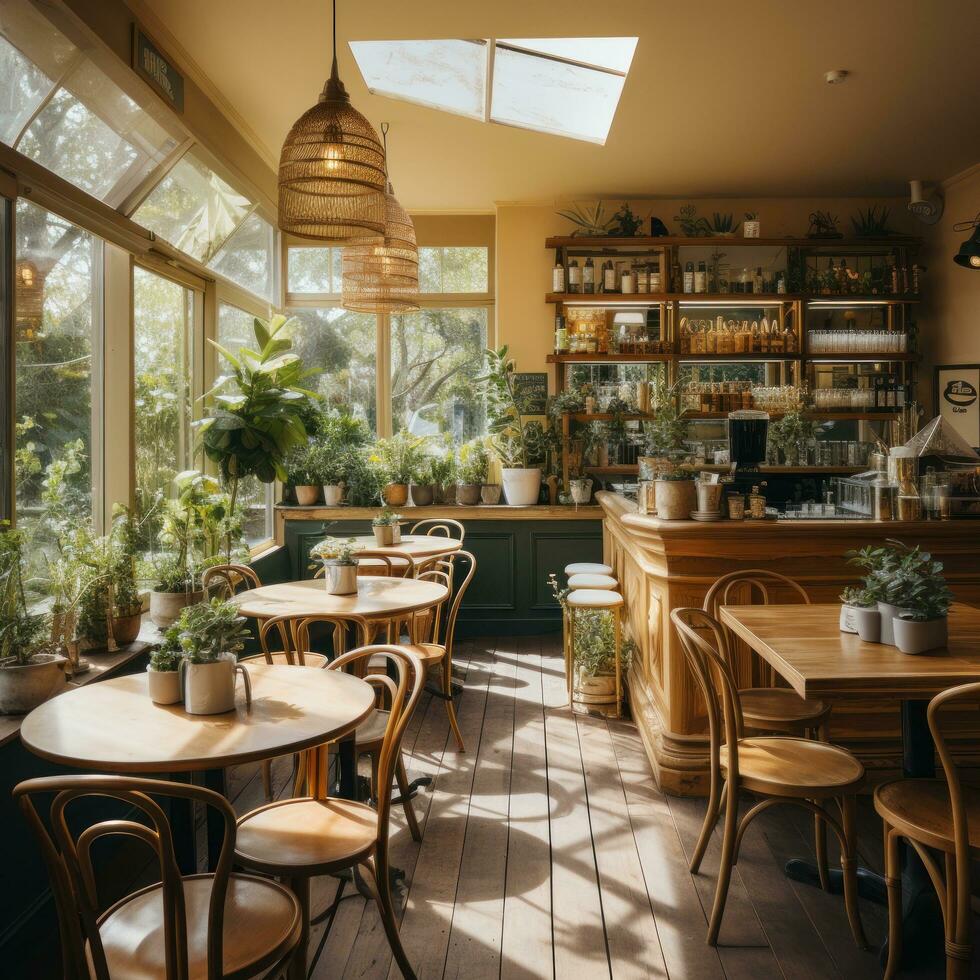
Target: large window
453,270
163,321
58,327
247,258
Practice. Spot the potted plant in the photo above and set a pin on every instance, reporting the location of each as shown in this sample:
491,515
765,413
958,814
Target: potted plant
676,495
790,434
255,415
162,672
423,488
304,472
751,226
127,604
925,626
386,528
211,634
176,585
507,410
474,468
333,474
399,459
343,437
340,563
31,670
444,475
859,613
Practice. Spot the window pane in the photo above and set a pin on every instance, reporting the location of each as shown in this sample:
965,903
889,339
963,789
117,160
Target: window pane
453,270
615,53
93,135
58,318
435,356
163,327
341,348
444,74
254,498
314,270
193,209
247,257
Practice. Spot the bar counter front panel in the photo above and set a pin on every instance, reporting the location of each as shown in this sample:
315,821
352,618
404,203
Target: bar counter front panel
664,565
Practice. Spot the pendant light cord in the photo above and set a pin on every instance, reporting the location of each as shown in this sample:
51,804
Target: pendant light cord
334,72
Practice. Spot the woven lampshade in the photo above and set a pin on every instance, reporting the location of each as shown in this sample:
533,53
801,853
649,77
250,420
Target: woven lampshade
332,172
384,278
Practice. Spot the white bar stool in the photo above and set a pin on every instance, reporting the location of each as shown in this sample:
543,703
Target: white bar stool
601,582
598,600
588,568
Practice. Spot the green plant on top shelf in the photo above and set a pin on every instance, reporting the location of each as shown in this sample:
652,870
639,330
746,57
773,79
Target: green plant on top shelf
691,225
590,220
823,224
724,225
872,223
625,223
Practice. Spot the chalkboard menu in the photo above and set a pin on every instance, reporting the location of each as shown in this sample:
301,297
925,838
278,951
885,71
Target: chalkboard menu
531,390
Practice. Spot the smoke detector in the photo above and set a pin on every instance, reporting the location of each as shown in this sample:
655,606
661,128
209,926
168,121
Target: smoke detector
836,76
926,205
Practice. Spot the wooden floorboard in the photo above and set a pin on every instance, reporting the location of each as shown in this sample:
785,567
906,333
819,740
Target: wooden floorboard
549,853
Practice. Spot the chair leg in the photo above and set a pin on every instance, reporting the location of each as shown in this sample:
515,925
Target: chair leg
378,882
447,689
401,777
725,864
820,841
715,796
267,780
375,775
893,880
300,887
848,863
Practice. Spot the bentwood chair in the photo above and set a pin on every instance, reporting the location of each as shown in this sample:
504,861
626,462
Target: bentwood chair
440,525
301,838
944,816
229,579
770,709
221,925
780,769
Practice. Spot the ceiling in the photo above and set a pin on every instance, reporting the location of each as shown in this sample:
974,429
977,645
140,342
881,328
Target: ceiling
723,99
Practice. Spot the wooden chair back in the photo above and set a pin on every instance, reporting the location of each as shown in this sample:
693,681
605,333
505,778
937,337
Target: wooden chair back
457,599
230,578
383,567
445,526
960,928
402,681
69,861
704,644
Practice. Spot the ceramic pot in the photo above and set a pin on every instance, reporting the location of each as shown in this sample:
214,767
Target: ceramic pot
846,620
24,686
521,486
867,621
333,494
581,490
468,494
125,629
751,229
209,689
396,533
423,495
396,494
594,692
709,497
163,686
490,494
340,577
306,496
675,499
165,607
889,613
446,493
912,636
384,534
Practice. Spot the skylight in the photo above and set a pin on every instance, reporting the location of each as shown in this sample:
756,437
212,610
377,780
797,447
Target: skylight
566,86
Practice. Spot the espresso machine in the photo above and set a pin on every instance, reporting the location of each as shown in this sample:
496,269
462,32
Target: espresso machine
748,433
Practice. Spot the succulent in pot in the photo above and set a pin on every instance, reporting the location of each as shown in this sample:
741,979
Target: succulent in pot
162,672
339,559
676,495
211,635
387,528
474,469
859,613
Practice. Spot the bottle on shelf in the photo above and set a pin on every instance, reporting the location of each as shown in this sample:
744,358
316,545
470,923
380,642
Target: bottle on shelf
689,277
558,278
757,283
701,279
609,284
588,276
574,277
656,279
561,335
743,282
627,282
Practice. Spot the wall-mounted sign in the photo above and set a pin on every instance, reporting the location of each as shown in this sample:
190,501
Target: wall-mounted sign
531,390
957,393
150,62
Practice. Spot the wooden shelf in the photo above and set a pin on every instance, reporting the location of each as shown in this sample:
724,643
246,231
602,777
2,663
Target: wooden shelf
851,358
882,415
867,300
607,299
734,299
634,468
608,416
772,356
607,358
645,241
627,469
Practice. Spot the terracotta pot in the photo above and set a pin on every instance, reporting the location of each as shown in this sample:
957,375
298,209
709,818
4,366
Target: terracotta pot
521,486
490,494
468,494
163,686
125,629
675,499
333,494
166,607
423,494
307,496
913,637
24,686
384,534
209,689
396,494
867,620
889,614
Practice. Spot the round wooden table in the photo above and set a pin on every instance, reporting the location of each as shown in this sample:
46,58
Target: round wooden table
414,546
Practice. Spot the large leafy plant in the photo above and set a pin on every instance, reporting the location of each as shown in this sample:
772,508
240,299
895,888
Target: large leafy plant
506,410
255,415
904,576
22,633
203,634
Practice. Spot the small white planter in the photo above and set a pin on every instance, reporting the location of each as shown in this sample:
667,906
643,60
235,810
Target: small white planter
867,619
333,494
384,534
581,491
889,614
166,607
163,686
521,487
846,618
340,577
209,689
914,637
24,686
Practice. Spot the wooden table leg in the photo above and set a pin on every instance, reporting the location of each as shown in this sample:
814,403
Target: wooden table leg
182,829
214,779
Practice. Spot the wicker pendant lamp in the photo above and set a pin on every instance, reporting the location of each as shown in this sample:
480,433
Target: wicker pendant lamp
384,278
332,170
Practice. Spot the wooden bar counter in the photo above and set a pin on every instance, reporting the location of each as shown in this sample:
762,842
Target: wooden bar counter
663,565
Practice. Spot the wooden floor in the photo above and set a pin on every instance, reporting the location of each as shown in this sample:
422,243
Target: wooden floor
548,851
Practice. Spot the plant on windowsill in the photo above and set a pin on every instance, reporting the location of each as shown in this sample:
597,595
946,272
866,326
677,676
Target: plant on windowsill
445,470
474,469
398,460
305,472
507,411
423,484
